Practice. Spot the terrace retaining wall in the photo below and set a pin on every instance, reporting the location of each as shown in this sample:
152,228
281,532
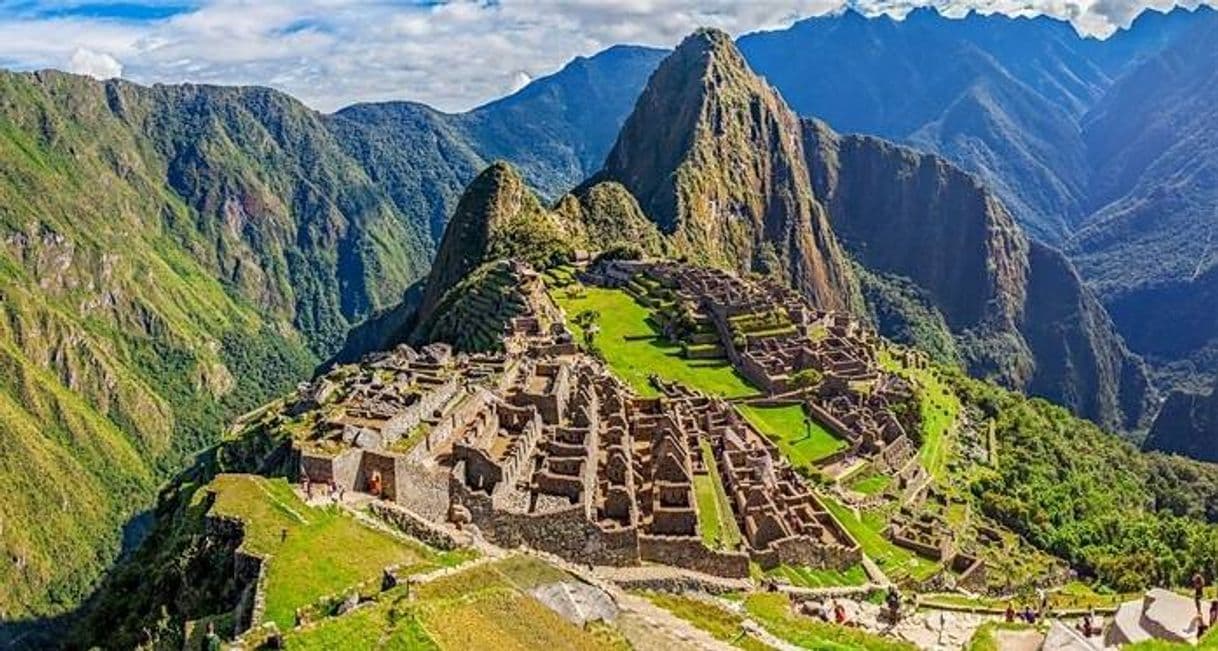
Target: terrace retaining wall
691,554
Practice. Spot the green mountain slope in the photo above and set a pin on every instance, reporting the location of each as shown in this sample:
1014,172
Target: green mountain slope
1151,247
169,257
1187,424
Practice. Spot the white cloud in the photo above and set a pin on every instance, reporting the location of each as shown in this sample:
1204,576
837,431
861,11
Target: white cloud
95,64
452,55
519,80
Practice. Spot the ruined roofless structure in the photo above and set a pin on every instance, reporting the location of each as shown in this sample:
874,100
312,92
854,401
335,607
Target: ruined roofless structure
541,446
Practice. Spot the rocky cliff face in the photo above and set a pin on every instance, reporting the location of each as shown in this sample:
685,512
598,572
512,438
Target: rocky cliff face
1017,307
715,158
1188,425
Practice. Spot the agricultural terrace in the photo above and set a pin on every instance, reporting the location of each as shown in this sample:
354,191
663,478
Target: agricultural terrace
868,529
634,348
310,549
803,440
482,607
808,577
939,408
715,518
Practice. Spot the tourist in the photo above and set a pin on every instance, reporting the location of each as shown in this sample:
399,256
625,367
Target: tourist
1029,615
374,484
1088,625
1198,589
283,535
305,485
1010,614
213,642
839,613
894,603
1214,613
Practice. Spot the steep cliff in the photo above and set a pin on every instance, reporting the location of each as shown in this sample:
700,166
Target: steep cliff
1188,425
1017,307
715,158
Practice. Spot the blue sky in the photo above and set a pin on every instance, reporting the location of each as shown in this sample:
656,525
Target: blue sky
451,54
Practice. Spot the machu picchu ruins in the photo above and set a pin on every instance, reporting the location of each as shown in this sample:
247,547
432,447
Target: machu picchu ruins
540,444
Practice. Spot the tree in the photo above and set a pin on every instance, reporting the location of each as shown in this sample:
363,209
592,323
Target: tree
806,379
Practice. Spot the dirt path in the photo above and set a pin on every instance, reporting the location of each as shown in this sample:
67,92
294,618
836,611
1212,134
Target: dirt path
1018,640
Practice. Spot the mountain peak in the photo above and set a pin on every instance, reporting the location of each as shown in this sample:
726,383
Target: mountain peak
494,198
715,158
707,38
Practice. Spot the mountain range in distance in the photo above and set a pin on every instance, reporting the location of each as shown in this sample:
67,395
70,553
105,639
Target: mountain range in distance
173,256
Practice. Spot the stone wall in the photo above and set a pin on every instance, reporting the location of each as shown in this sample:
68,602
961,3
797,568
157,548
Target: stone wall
429,402
691,554
423,490
831,423
972,573
343,468
249,569
567,533
441,432
414,525
677,584
801,550
935,549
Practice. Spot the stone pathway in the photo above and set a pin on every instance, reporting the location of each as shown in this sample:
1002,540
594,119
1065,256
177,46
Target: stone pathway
648,627
1018,640
934,630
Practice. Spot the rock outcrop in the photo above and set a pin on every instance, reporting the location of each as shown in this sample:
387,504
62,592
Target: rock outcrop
715,158
1188,425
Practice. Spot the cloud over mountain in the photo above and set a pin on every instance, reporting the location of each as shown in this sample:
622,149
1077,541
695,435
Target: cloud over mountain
452,55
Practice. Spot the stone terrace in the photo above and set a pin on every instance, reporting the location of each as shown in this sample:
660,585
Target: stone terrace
771,335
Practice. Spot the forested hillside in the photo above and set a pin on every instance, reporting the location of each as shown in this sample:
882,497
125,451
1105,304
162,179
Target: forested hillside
172,256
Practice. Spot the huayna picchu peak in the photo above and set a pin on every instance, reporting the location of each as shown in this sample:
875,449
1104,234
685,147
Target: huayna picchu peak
714,157
791,339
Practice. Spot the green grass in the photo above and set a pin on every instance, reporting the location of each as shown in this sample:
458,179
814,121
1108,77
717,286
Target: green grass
483,607
868,531
715,519
387,624
634,349
871,484
787,428
724,625
938,406
807,577
773,611
324,550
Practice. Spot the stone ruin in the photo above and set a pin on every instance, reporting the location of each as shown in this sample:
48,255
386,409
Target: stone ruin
540,445
771,335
